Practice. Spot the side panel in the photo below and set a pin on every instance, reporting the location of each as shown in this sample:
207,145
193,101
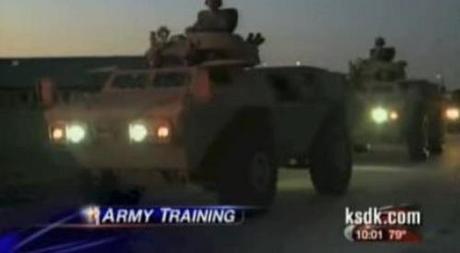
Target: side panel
296,125
299,116
297,110
202,126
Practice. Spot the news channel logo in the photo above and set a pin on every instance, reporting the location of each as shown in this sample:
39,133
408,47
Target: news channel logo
384,224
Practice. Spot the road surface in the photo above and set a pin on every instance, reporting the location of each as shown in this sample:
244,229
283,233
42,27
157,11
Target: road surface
300,220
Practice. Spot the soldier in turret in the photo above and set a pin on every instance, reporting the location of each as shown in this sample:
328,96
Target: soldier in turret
215,19
152,53
382,53
211,38
158,41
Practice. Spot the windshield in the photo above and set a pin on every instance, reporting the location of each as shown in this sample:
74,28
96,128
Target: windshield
148,80
131,81
170,79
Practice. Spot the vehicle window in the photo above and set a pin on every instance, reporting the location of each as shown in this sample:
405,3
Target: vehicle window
168,80
93,82
98,79
130,81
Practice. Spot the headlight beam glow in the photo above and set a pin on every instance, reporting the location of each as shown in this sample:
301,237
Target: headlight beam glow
163,132
379,115
138,132
58,134
75,133
453,114
394,115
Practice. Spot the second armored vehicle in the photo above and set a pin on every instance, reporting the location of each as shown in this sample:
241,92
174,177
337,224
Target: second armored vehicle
452,112
388,107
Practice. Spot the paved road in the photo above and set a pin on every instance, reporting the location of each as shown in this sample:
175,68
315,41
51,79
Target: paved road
302,221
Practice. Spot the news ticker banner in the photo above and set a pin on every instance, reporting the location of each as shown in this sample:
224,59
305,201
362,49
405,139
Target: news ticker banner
102,227
398,224
392,224
99,216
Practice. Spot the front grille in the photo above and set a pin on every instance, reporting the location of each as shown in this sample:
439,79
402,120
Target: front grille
110,131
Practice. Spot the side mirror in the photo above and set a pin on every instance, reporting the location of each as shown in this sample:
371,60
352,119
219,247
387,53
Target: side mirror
46,93
201,89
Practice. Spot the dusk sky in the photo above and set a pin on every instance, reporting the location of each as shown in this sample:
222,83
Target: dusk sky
326,33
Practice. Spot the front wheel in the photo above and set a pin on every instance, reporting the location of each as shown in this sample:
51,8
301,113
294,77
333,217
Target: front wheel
331,158
248,174
416,133
436,129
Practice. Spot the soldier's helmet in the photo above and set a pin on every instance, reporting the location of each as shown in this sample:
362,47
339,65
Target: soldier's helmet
380,42
214,4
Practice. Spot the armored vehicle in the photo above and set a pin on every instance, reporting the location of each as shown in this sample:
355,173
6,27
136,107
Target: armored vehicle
388,107
203,112
229,127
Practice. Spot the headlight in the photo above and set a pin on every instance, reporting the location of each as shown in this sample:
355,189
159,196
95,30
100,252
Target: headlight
163,132
75,133
453,114
57,133
157,131
379,115
71,133
138,132
394,115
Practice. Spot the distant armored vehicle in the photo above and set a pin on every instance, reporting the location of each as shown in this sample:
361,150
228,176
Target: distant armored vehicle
452,112
205,113
388,107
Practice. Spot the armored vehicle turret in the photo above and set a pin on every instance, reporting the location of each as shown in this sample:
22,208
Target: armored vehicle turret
379,69
211,38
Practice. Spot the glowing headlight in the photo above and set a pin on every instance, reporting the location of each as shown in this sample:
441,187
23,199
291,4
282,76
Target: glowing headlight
138,132
75,133
163,132
394,115
453,114
379,115
58,133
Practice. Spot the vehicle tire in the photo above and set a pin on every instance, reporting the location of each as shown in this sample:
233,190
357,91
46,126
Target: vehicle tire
435,130
416,123
247,172
416,132
331,157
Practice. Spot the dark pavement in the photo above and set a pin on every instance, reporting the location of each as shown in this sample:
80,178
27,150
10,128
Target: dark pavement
300,220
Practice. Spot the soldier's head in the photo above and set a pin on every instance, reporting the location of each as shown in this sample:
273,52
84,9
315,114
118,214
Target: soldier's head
214,5
163,34
153,38
380,42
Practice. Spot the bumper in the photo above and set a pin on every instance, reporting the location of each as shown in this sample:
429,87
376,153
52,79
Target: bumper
369,132
453,127
122,157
